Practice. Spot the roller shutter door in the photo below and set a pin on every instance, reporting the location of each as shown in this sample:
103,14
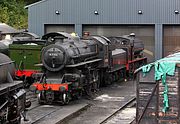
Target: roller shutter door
145,33
171,40
59,28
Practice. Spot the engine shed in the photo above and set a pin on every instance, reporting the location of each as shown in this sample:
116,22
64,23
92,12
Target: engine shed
156,23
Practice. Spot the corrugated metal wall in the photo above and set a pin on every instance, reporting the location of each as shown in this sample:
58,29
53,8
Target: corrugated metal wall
111,12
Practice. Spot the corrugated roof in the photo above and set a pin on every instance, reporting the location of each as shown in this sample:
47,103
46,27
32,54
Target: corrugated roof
34,4
4,28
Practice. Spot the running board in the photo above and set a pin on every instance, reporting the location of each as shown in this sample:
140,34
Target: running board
83,63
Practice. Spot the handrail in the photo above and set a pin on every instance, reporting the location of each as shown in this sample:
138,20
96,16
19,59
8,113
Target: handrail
5,63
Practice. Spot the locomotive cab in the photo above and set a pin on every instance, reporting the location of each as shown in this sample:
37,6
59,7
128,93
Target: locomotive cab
130,44
103,49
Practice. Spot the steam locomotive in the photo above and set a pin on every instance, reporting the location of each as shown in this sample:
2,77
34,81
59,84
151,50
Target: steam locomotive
12,94
72,65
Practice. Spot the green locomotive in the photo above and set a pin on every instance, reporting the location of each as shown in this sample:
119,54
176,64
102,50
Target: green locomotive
26,55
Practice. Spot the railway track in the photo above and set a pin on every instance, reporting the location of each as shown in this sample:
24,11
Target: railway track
43,114
43,111
37,112
116,116
103,109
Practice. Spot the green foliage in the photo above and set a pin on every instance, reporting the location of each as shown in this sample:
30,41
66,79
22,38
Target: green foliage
4,14
12,12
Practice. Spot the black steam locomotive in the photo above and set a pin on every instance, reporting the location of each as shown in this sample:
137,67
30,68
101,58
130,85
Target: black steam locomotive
12,94
72,65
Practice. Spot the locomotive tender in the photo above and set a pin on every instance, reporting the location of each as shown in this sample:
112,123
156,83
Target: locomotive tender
24,48
73,65
12,94
26,53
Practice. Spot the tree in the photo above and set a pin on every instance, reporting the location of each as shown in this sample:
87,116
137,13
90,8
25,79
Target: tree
12,12
4,14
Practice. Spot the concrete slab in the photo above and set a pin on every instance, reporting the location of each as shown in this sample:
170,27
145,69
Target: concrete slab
40,112
64,113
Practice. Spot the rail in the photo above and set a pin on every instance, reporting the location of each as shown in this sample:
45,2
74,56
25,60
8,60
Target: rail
120,109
